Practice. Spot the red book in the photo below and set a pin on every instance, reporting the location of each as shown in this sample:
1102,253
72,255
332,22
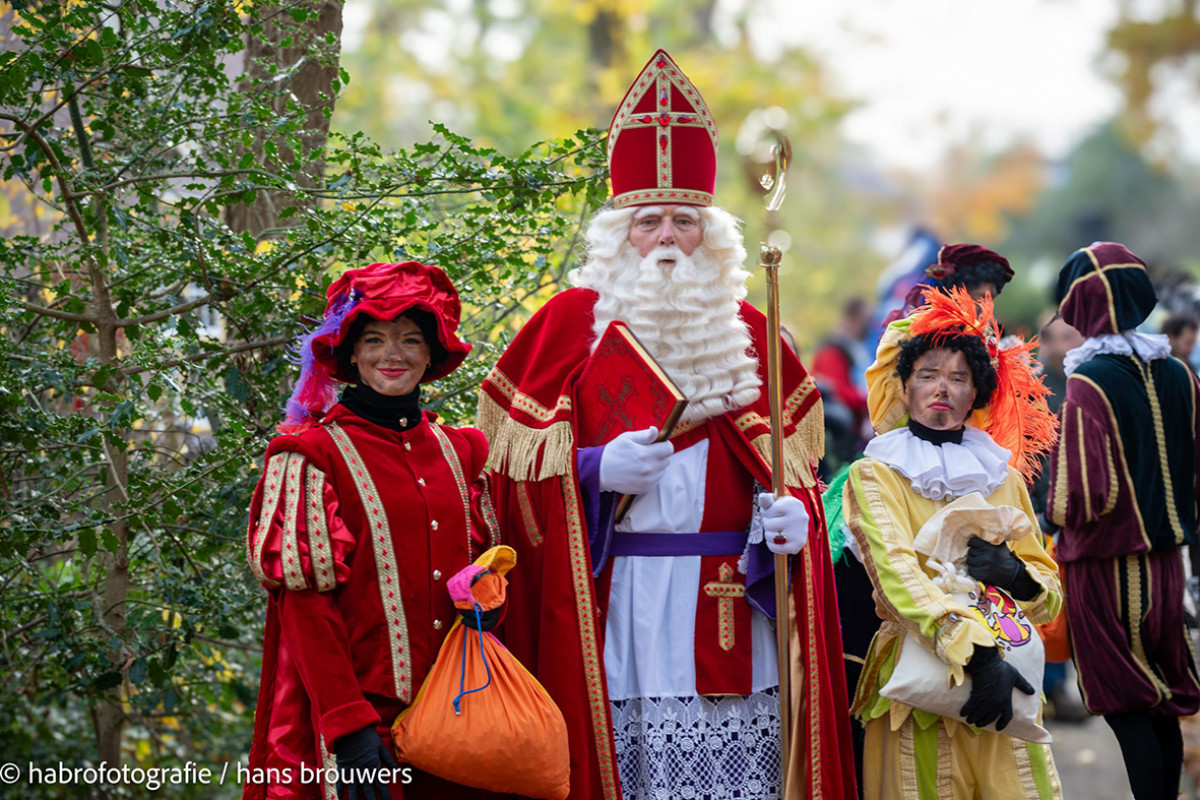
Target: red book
622,388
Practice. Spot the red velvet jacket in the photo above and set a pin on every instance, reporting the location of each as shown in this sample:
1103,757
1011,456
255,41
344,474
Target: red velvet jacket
354,530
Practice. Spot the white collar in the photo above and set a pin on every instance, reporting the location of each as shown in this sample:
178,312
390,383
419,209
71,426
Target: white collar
949,470
1149,346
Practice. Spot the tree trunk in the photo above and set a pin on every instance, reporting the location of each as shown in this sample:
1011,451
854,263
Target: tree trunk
311,87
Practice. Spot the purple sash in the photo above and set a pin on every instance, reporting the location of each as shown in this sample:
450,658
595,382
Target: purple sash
713,543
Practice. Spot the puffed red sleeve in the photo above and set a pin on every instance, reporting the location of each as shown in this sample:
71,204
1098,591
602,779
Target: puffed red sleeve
296,538
299,548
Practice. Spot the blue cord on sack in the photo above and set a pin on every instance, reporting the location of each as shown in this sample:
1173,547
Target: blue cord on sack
462,675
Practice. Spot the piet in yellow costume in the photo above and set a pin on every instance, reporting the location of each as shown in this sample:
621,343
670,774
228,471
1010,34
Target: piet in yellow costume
933,372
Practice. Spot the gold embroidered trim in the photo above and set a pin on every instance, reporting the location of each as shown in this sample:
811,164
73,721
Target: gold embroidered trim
593,659
813,667
1083,473
945,777
329,762
1114,488
456,470
272,491
388,576
1112,421
489,513
515,447
1135,566
725,590
909,783
523,402
527,516
289,554
1059,495
674,196
1024,766
320,548
1160,437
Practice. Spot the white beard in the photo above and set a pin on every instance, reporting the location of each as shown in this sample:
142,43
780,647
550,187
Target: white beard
687,317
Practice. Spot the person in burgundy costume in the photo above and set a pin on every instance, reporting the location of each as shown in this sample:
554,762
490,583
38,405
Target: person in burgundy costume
366,507
1124,489
655,638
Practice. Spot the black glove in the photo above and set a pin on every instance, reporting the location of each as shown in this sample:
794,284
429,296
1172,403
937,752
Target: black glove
992,682
997,565
363,750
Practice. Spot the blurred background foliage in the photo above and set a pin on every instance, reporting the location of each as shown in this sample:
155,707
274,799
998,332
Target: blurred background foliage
182,181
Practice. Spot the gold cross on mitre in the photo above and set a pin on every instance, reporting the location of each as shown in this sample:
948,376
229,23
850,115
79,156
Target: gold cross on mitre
725,590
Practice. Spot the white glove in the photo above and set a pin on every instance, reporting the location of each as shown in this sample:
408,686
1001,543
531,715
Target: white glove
633,462
785,523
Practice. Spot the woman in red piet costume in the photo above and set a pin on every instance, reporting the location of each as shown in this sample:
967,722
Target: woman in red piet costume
366,507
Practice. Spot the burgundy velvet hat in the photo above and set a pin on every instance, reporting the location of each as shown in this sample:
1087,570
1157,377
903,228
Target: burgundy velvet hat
953,257
662,142
383,292
1103,288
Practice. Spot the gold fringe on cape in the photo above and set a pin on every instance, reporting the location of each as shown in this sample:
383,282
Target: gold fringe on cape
513,448
801,450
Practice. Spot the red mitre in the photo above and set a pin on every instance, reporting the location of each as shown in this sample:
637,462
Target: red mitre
662,143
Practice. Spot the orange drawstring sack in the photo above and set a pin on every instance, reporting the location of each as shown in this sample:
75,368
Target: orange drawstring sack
480,718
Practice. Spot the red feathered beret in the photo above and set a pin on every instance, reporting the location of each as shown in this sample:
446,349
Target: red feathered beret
384,292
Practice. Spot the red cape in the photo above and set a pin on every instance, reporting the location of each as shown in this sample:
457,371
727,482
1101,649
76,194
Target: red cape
554,624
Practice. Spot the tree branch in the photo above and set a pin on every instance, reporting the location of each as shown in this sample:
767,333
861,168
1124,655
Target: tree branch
56,314
239,348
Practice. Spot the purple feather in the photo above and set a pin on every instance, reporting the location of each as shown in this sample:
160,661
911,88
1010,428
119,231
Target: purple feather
316,390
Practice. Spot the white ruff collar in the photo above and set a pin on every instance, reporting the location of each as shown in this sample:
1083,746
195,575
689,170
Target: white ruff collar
949,470
1149,346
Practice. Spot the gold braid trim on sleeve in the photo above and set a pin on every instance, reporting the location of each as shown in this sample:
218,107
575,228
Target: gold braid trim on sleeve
320,548
293,574
272,491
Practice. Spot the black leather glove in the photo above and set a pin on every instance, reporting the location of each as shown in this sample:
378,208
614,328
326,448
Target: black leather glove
361,756
997,565
992,682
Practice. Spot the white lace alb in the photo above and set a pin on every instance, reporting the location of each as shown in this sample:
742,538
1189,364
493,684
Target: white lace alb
698,748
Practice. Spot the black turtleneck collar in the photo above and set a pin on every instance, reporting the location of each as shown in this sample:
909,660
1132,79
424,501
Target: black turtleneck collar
394,412
933,436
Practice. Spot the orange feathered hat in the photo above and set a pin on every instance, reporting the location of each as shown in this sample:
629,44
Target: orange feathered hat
1017,417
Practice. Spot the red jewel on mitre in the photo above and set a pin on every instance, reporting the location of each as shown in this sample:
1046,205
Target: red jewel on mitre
662,143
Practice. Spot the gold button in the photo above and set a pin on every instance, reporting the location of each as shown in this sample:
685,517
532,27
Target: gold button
434,524
421,481
437,624
408,445
437,574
